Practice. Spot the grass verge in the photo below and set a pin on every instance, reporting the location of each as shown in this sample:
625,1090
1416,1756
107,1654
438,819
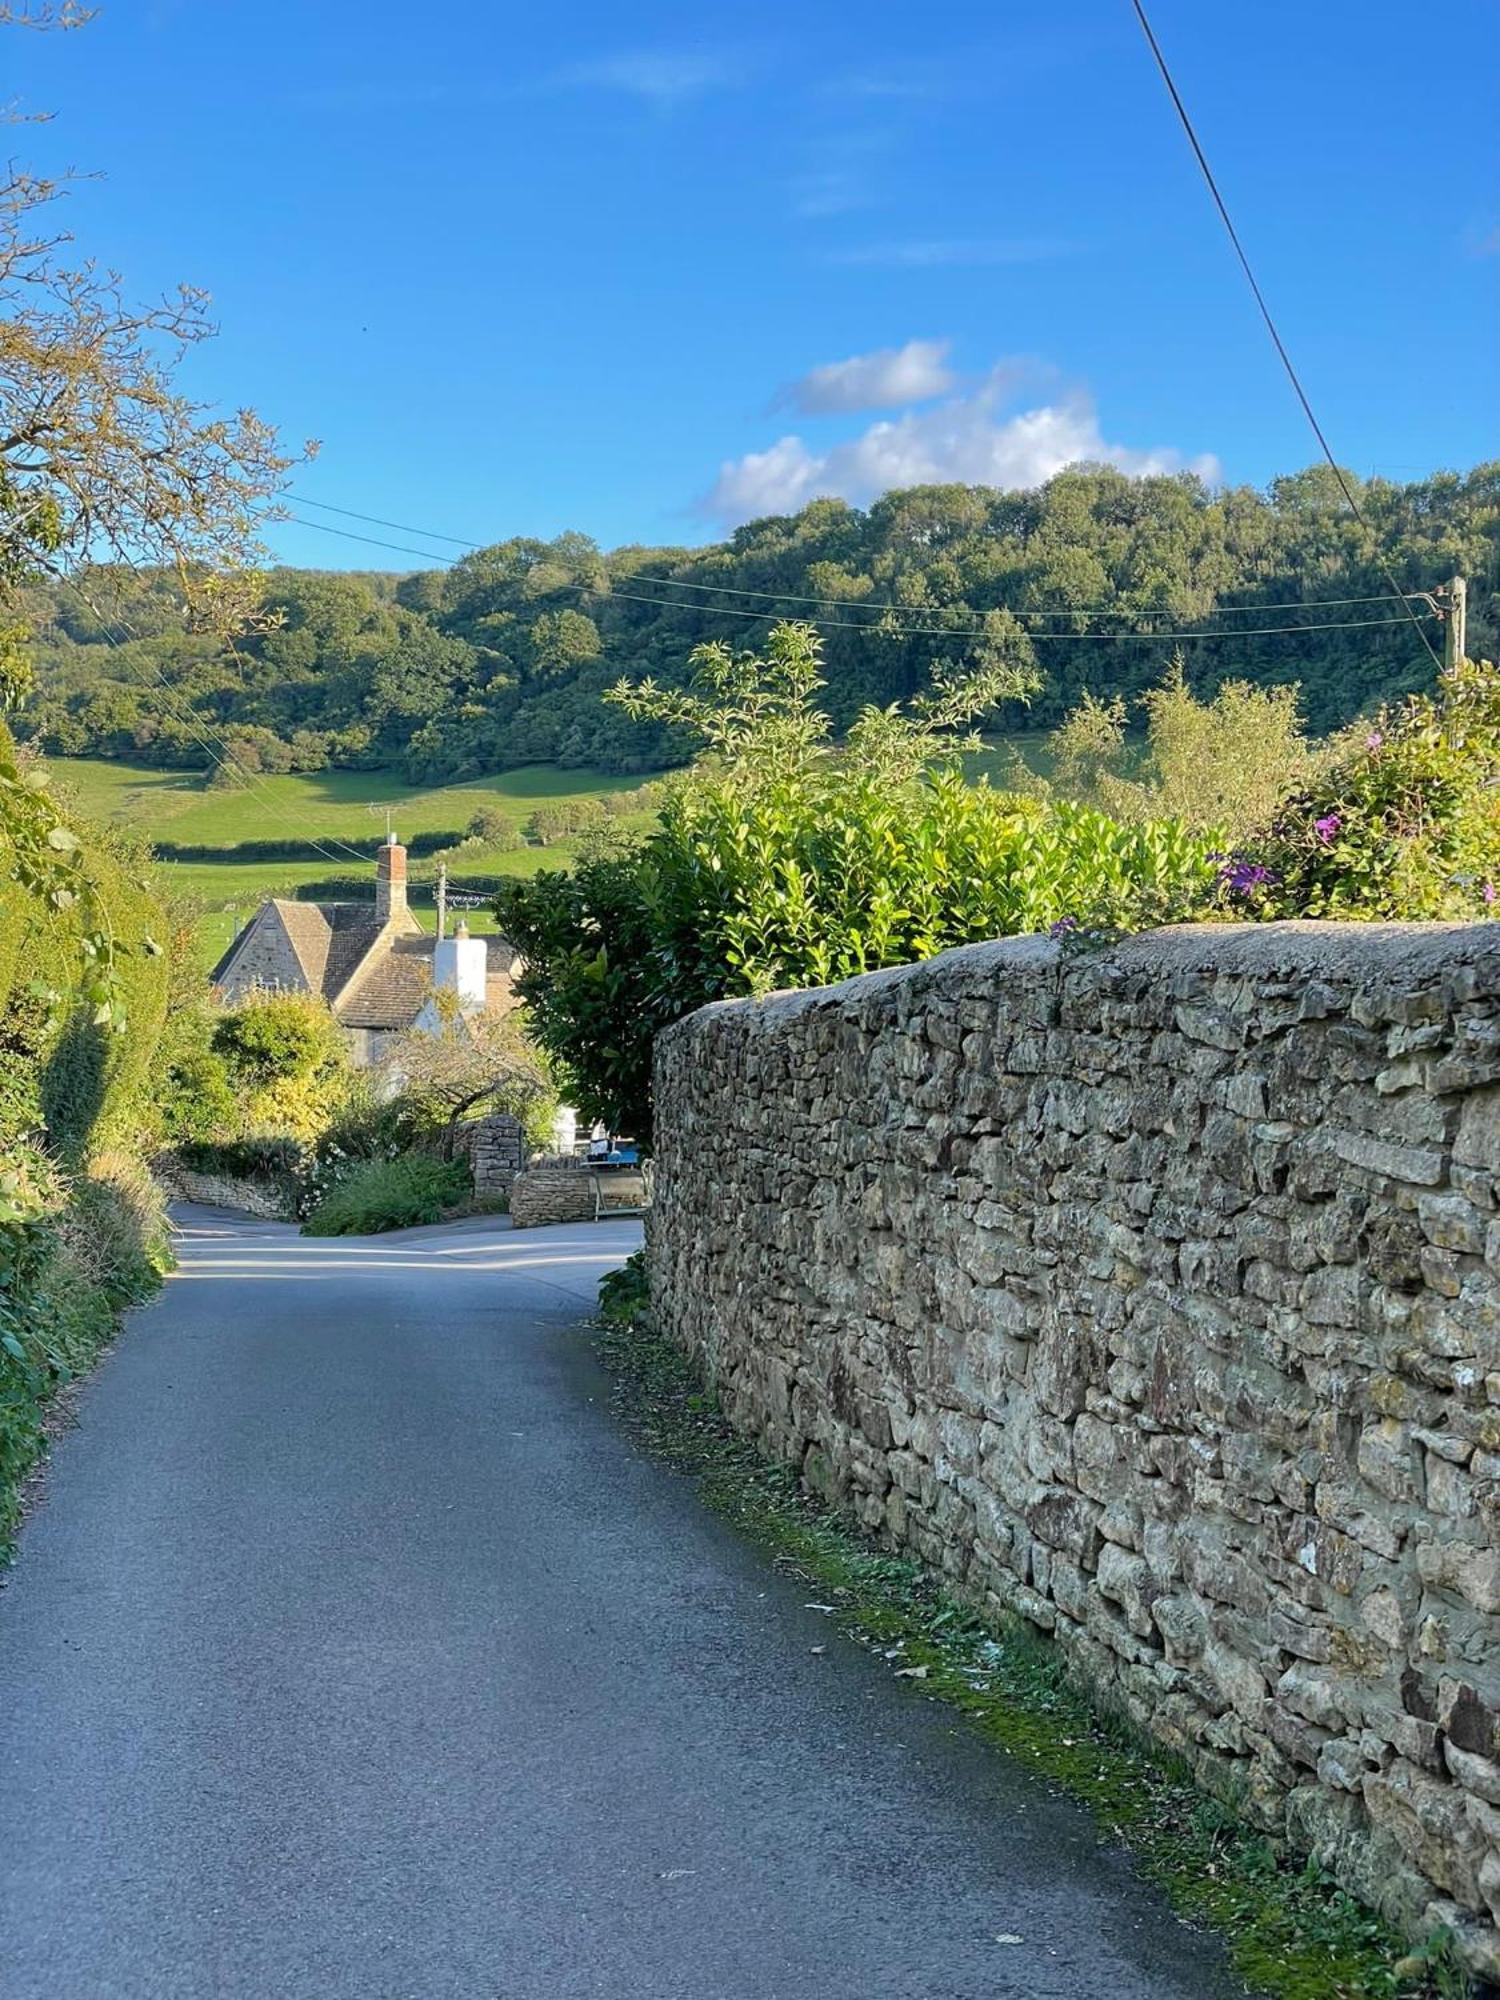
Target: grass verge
1291,1932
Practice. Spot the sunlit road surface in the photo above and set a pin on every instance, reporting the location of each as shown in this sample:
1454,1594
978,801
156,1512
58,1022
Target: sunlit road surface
355,1654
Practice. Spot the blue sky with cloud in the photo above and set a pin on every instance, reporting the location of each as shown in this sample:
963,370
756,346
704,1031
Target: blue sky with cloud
647,272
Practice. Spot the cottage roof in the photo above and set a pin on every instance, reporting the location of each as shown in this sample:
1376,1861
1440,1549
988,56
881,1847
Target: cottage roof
388,991
389,988
328,940
374,974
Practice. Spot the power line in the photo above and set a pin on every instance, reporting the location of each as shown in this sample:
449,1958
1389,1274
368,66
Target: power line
374,542
1265,313
912,631
949,631
1013,611
792,597
201,731
379,521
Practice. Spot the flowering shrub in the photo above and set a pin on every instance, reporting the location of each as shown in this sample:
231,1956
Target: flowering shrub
1403,823
389,1194
368,1127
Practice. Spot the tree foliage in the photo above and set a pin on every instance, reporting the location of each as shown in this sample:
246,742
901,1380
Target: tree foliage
103,457
287,1063
502,658
472,1062
1225,763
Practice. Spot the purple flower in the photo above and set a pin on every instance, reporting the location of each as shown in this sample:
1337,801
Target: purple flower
1374,740
1241,876
1327,827
1489,892
1063,926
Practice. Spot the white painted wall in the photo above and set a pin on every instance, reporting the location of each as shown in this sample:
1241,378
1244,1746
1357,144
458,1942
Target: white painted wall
564,1129
459,965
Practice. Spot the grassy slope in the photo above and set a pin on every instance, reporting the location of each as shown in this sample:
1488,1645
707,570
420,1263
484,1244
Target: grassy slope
335,806
320,805
324,805
175,805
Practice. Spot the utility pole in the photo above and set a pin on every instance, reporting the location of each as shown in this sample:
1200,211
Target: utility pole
442,899
1453,605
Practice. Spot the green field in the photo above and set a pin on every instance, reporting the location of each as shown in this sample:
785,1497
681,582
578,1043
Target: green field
345,810
333,807
315,805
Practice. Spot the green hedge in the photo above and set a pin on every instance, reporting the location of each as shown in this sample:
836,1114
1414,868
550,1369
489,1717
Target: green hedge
432,842
81,1224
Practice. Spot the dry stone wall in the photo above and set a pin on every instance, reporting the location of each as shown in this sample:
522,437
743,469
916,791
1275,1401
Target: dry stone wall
544,1195
495,1148
259,1198
1153,1296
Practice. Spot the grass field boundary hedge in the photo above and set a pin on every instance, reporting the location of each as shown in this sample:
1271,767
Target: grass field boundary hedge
418,845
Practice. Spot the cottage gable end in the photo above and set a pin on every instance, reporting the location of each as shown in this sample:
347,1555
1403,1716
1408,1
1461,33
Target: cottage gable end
264,955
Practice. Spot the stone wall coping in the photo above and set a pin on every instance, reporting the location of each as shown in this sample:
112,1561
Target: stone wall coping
1342,952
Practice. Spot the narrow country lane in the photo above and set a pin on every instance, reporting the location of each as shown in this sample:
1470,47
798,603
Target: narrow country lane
354,1654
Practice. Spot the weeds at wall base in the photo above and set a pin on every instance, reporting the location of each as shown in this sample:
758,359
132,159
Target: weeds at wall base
1291,1933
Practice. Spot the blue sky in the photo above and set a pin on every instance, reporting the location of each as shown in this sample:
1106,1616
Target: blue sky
591,267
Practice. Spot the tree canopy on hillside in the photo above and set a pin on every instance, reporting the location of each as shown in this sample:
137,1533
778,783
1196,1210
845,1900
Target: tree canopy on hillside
502,658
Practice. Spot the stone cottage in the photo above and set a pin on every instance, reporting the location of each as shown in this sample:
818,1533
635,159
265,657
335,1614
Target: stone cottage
376,967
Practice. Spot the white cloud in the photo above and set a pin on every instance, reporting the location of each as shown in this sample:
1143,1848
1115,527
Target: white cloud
883,380
927,253
662,77
915,82
827,191
967,440
838,173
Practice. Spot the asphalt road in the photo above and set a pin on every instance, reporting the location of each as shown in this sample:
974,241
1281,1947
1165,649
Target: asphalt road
353,1654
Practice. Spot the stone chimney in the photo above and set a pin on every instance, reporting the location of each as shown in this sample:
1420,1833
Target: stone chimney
390,881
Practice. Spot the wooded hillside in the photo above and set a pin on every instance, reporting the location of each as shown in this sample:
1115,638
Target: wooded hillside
500,658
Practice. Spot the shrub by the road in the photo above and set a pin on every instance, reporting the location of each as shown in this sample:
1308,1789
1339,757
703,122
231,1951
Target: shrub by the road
389,1194
286,1061
789,860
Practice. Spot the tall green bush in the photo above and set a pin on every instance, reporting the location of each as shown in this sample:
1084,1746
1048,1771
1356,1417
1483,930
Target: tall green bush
287,1063
81,1226
792,861
1226,763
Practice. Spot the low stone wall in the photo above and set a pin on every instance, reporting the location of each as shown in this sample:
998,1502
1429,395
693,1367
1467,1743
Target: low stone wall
1153,1296
219,1191
551,1194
